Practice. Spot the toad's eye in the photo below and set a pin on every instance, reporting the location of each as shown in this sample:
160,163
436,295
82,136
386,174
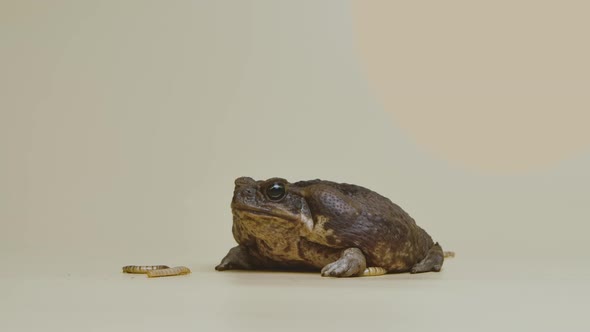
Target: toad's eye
276,191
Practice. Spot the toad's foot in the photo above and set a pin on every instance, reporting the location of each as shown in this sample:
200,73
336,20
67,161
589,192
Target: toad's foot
238,258
432,262
351,263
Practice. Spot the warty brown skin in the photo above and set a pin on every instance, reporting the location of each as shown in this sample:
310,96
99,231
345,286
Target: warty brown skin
338,228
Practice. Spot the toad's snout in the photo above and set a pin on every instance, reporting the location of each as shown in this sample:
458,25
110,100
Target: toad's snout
243,181
244,192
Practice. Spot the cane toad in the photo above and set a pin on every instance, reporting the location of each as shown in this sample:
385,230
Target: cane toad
336,228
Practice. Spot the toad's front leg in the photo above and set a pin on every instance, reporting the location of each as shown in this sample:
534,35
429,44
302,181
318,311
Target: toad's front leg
351,263
239,258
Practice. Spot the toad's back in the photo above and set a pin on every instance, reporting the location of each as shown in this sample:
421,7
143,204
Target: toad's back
360,217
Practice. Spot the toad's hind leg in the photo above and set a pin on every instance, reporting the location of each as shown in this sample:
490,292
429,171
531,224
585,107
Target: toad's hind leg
238,258
432,262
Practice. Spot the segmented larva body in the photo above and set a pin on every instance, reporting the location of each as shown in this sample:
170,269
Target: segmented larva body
143,268
374,271
449,254
169,272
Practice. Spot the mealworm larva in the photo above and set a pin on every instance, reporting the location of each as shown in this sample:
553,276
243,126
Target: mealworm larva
143,268
175,271
449,253
374,271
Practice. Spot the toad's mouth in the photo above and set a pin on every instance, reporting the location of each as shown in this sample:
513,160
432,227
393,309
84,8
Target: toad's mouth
261,213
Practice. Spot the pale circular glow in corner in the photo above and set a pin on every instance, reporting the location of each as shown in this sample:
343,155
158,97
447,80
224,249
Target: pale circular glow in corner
480,85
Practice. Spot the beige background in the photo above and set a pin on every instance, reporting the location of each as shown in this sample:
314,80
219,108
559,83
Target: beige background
124,123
